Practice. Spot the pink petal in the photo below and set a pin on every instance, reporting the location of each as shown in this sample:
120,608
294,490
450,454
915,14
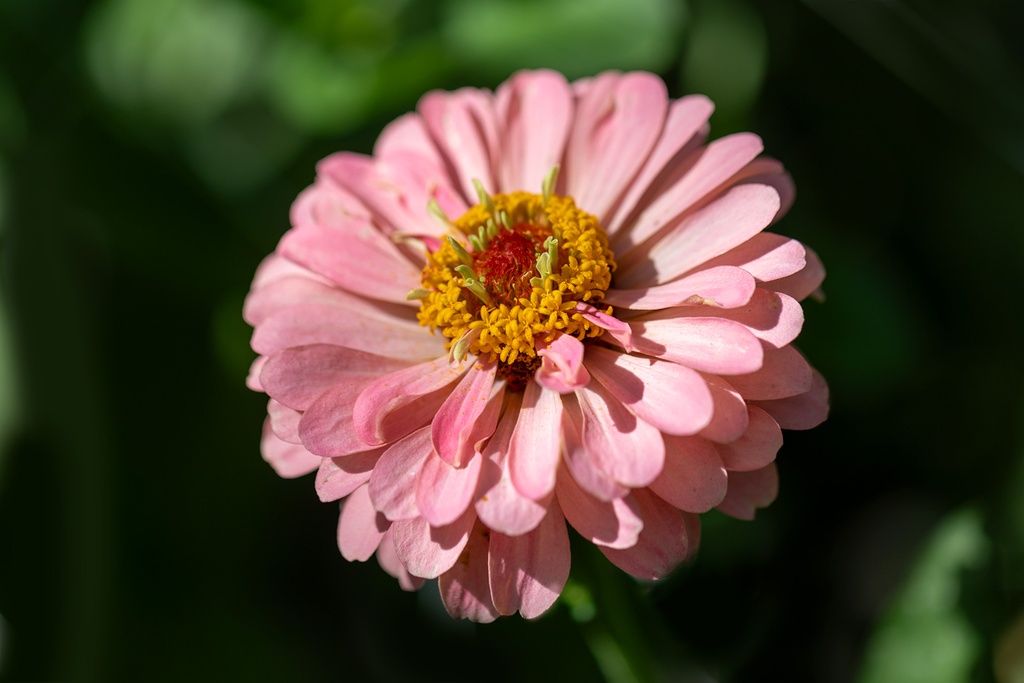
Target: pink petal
707,344
289,460
360,527
618,121
773,318
615,523
252,380
535,444
452,427
561,369
502,507
284,421
617,330
749,491
407,134
534,110
338,477
784,373
528,572
581,465
668,396
298,376
802,411
429,551
387,557
357,257
443,492
464,126
685,119
392,484
804,283
736,216
766,256
325,203
693,478
757,447
729,419
697,177
327,429
661,546
315,323
767,171
392,392
465,588
723,286
626,448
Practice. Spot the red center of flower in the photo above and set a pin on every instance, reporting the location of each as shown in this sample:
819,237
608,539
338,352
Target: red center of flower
507,264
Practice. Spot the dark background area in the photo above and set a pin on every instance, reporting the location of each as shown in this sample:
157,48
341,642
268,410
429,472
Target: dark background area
149,151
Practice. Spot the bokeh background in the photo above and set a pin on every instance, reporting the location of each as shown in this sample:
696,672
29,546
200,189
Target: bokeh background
149,151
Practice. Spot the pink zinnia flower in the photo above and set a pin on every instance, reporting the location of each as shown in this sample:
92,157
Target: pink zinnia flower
552,303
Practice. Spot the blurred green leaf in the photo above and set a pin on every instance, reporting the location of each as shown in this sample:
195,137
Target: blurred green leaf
926,637
576,37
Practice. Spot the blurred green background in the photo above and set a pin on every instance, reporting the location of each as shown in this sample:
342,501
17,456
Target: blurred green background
149,151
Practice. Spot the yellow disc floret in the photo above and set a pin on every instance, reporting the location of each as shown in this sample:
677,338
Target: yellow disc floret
511,273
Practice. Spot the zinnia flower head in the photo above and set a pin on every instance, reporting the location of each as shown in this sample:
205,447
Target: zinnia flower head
555,303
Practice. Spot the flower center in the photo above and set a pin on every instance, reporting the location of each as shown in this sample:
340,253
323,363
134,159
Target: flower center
509,275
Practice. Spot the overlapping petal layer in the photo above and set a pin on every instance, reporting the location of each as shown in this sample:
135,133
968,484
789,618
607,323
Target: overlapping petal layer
451,466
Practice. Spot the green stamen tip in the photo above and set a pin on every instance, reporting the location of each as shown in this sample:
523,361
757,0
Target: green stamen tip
460,349
551,244
476,243
417,294
505,220
473,283
460,251
435,210
548,187
485,199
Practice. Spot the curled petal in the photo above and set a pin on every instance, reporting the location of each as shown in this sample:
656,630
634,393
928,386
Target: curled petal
661,546
562,369
615,523
616,329
452,427
583,467
289,460
625,447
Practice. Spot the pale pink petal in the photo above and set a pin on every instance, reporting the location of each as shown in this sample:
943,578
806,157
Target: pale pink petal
736,216
618,121
802,411
749,491
615,523
392,484
697,176
616,329
326,203
668,396
723,286
356,256
360,527
692,524
252,380
528,572
625,447
729,419
407,134
400,389
289,460
682,126
802,284
561,369
583,468
693,478
455,420
270,270
284,421
338,477
757,447
298,376
429,551
536,442
463,125
465,588
766,256
443,492
661,546
707,344
327,429
534,111
387,557
772,317
784,373
767,171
